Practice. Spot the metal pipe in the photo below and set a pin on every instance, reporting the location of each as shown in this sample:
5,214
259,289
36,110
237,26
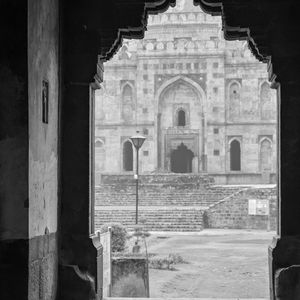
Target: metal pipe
137,187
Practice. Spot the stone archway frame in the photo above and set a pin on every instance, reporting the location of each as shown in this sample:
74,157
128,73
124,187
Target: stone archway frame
186,109
235,28
168,83
158,98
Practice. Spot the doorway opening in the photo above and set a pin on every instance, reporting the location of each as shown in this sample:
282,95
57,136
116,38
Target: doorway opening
182,159
208,186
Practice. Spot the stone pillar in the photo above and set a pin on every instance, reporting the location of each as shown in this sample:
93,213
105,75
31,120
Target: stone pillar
78,254
78,251
159,142
284,258
195,164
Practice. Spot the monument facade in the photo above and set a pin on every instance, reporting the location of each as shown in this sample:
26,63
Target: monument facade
203,103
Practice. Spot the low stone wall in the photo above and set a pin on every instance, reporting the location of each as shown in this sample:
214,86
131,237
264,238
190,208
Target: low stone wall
244,178
130,276
169,179
251,208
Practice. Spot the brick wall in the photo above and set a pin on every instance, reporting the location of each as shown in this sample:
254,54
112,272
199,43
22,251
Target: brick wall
233,211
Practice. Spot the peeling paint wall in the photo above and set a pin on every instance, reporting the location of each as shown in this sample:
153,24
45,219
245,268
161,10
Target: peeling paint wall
43,57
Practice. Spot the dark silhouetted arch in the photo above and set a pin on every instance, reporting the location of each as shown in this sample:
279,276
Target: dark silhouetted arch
181,121
235,156
127,156
181,159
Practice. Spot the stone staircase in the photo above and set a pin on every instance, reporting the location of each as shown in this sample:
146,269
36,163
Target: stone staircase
167,202
166,219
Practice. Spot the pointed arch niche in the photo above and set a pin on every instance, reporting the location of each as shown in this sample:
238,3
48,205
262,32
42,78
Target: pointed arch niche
265,155
234,95
181,117
235,155
99,155
127,156
267,103
128,103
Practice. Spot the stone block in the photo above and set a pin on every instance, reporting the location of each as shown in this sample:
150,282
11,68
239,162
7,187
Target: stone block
130,276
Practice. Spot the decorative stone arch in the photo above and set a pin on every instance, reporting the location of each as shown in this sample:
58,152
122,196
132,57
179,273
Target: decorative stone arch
231,82
234,104
168,83
162,151
260,84
128,105
99,158
265,157
181,117
125,83
266,105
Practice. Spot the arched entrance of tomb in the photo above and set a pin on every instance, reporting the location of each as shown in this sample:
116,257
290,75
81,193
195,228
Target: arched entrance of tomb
180,119
182,159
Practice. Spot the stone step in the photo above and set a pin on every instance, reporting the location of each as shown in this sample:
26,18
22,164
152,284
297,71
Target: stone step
154,220
168,298
177,200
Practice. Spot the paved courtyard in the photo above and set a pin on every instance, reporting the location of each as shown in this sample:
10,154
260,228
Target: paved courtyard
220,264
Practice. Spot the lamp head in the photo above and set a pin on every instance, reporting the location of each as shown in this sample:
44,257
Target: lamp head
137,140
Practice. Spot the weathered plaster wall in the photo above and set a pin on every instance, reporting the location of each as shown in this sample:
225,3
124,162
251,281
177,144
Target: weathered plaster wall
43,55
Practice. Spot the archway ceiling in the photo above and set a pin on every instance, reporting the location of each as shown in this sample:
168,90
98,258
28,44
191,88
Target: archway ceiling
270,26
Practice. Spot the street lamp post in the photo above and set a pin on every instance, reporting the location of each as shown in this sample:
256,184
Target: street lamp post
137,141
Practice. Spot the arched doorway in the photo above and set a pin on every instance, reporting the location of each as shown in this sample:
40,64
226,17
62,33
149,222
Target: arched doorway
181,159
127,156
175,99
235,156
